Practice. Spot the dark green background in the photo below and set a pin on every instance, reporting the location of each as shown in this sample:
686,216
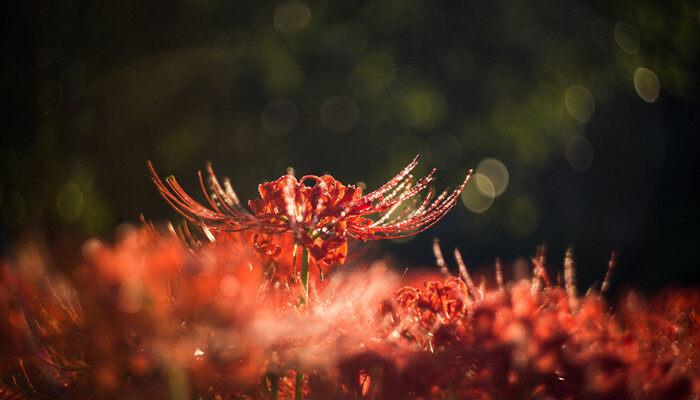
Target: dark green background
93,89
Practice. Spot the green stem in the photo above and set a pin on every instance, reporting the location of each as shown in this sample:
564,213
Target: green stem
299,386
305,274
299,381
274,385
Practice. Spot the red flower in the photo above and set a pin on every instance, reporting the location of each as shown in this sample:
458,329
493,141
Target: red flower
319,211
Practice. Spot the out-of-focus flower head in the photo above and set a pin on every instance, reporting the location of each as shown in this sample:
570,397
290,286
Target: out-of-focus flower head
318,211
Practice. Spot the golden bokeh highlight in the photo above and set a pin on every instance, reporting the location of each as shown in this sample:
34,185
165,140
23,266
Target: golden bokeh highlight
647,85
414,108
70,201
626,37
579,103
282,75
291,16
579,153
419,106
491,173
479,198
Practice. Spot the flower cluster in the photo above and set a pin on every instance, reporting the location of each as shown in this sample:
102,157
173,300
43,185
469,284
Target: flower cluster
520,343
151,318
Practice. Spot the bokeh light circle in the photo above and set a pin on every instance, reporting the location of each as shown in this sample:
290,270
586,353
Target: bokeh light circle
627,37
70,201
579,103
291,16
579,153
479,198
414,107
340,114
279,117
647,85
491,173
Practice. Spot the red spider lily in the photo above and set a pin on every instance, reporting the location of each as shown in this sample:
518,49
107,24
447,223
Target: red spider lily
319,211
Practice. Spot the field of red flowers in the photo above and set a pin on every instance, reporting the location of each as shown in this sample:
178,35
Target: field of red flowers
262,313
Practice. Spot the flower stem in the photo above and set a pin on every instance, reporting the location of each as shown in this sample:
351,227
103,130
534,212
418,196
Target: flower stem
299,386
305,274
299,381
274,385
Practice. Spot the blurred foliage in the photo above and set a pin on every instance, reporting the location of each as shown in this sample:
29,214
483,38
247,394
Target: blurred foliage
567,95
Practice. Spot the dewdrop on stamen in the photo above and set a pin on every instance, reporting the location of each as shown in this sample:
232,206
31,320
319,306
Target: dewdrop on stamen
439,259
464,273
